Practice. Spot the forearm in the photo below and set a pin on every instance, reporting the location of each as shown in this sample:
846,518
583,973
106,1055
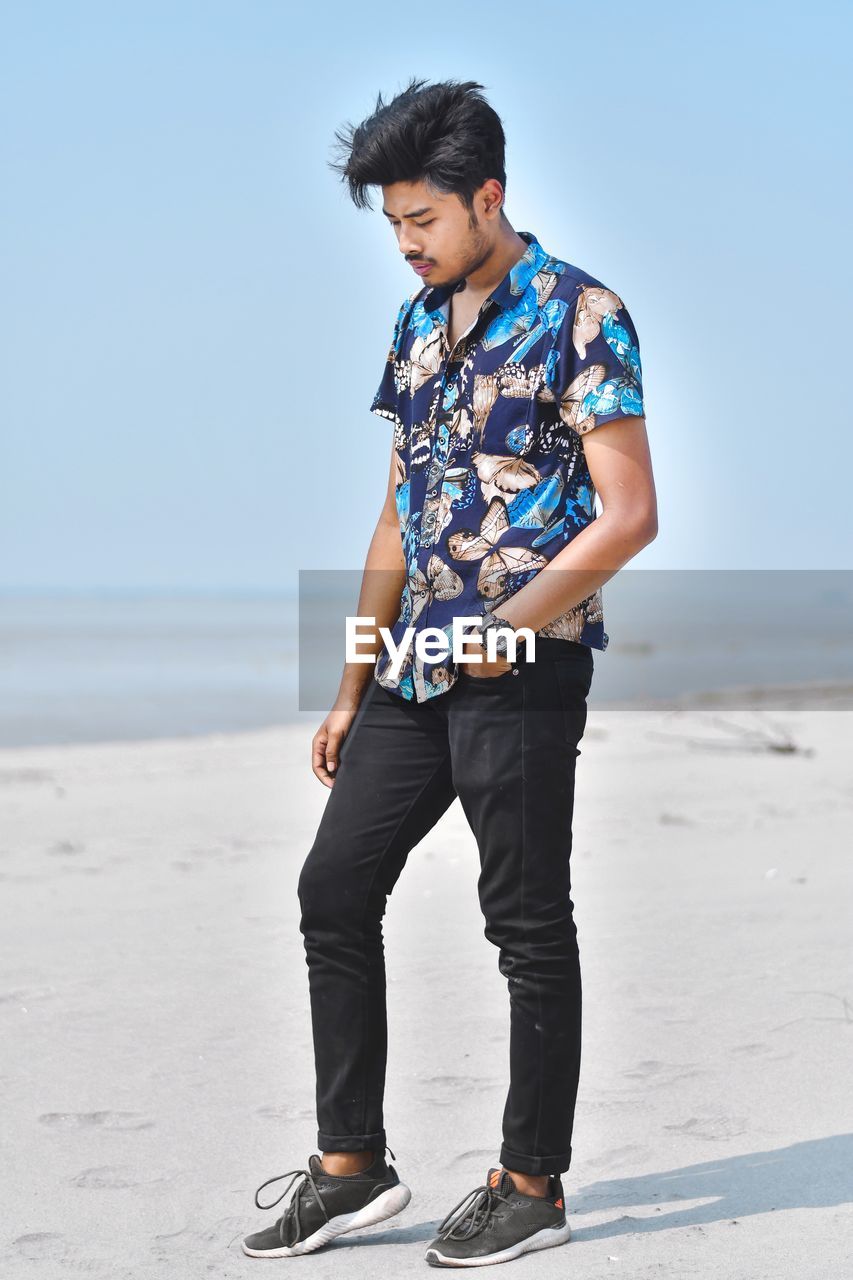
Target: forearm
379,598
592,557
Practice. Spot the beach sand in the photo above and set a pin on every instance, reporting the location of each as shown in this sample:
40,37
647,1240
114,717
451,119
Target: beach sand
157,1055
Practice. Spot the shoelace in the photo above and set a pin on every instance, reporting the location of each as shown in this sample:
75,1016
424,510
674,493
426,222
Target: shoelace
296,1200
477,1206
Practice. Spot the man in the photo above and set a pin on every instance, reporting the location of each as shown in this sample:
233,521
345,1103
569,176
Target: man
513,384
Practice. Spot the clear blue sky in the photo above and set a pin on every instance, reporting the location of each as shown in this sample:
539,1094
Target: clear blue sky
173,414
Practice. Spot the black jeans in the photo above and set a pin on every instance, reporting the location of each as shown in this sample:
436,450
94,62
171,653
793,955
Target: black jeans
506,746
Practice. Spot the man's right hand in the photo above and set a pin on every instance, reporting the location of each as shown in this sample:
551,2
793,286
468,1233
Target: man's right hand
326,743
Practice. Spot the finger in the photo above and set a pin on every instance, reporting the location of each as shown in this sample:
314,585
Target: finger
332,754
318,758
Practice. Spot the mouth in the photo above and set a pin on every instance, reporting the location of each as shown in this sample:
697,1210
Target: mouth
421,267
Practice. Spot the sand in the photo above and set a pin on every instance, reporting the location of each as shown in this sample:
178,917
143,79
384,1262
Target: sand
157,1062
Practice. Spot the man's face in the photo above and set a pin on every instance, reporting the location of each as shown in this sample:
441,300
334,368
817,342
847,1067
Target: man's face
437,233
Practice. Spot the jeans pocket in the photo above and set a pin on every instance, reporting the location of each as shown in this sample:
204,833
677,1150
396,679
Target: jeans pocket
487,680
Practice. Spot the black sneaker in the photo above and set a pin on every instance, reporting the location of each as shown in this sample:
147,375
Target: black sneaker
324,1206
496,1222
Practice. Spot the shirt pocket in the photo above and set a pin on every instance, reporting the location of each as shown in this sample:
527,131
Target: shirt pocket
510,414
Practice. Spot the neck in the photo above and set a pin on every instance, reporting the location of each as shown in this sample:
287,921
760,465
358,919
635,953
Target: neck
505,253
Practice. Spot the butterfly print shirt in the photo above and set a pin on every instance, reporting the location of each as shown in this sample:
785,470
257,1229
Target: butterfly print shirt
492,480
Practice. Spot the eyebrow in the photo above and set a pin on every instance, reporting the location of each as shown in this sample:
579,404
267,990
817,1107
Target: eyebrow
413,213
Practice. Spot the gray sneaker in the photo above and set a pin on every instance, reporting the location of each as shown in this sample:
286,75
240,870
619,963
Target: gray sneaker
496,1222
324,1206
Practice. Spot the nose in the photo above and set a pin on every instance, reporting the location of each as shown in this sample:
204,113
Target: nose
408,245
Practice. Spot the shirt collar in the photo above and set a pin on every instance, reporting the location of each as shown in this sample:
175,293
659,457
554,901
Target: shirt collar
510,289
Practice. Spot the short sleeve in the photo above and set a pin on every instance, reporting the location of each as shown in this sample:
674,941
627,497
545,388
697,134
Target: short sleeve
593,368
385,401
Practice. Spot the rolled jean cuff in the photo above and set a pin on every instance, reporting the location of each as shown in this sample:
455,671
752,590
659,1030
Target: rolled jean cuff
352,1141
536,1166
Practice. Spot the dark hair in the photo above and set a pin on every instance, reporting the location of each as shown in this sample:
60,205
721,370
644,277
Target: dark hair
445,134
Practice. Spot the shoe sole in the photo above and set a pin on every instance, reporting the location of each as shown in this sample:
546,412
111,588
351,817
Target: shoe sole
385,1206
547,1238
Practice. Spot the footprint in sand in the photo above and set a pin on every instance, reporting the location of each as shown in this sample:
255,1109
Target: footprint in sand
633,1154
59,1256
110,1177
475,1154
460,1082
446,1090
96,1120
284,1113
27,995
198,1241
712,1128
66,849
41,1246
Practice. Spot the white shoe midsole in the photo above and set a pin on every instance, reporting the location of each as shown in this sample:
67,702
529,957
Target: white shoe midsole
544,1239
384,1206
